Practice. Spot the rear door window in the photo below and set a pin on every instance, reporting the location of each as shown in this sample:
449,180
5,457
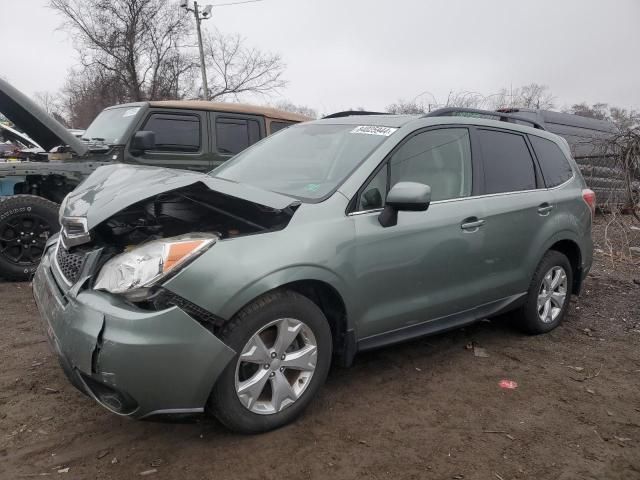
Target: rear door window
235,134
508,165
553,162
175,133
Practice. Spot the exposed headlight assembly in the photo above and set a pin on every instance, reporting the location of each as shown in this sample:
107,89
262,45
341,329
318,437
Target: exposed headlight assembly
132,273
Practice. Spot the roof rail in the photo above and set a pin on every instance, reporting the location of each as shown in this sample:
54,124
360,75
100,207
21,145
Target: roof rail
502,116
348,113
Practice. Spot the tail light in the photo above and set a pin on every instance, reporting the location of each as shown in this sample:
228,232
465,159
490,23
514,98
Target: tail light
589,198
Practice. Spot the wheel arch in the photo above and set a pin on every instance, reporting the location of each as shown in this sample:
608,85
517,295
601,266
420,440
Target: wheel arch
571,250
319,285
329,300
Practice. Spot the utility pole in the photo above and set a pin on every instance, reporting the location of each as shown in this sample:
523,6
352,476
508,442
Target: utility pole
206,14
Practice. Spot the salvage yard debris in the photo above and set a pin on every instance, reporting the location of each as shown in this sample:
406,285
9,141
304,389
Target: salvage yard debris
480,352
508,384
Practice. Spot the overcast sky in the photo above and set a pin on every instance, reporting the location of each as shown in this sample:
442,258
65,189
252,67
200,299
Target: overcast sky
359,53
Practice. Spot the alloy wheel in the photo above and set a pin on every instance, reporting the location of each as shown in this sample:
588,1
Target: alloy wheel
552,294
275,366
23,238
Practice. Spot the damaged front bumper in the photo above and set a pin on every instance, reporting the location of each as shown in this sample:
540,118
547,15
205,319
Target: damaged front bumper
133,362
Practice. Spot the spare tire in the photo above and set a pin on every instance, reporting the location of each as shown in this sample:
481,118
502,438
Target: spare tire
26,222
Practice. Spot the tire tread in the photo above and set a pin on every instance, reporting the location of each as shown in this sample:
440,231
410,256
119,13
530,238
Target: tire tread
222,393
528,316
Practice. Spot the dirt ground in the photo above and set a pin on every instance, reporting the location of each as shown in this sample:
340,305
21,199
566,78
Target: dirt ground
428,409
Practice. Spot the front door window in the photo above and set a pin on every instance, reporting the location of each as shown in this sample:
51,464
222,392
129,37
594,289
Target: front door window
438,158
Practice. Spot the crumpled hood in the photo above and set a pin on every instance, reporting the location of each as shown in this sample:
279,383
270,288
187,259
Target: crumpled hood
114,187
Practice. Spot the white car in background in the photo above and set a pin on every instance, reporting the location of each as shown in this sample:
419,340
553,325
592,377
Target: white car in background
17,145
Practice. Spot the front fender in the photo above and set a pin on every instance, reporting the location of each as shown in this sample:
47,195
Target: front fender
236,271
282,277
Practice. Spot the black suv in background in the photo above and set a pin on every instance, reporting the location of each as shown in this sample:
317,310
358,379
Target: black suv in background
190,135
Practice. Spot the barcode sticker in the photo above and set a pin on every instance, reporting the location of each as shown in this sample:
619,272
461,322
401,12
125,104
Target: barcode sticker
374,130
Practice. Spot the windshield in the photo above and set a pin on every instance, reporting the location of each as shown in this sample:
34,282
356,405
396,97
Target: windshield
110,125
307,161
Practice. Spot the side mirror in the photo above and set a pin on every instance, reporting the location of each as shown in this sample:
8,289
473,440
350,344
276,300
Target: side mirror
406,196
143,140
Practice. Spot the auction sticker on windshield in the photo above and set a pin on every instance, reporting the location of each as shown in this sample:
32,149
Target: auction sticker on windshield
374,130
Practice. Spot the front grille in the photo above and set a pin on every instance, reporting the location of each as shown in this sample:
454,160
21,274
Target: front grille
70,264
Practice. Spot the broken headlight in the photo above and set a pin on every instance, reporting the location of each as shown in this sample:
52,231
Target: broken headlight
133,272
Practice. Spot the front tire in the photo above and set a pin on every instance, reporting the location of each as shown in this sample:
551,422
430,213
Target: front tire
549,294
26,222
283,344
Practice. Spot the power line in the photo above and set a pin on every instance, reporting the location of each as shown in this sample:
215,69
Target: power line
236,3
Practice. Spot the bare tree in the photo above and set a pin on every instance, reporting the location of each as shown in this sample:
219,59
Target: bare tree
136,42
403,107
178,77
599,111
464,99
624,119
235,69
49,101
535,95
532,95
87,92
288,106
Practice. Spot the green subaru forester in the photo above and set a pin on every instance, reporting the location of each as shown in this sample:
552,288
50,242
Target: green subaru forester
232,292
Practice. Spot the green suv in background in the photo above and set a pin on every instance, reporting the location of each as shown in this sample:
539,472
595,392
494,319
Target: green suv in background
232,292
186,134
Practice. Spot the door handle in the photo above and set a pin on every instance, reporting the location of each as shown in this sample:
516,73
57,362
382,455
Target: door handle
544,208
472,223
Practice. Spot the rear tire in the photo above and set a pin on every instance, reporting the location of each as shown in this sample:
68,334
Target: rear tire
26,222
549,294
250,395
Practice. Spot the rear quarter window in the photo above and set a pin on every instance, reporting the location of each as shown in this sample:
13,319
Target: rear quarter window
553,162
